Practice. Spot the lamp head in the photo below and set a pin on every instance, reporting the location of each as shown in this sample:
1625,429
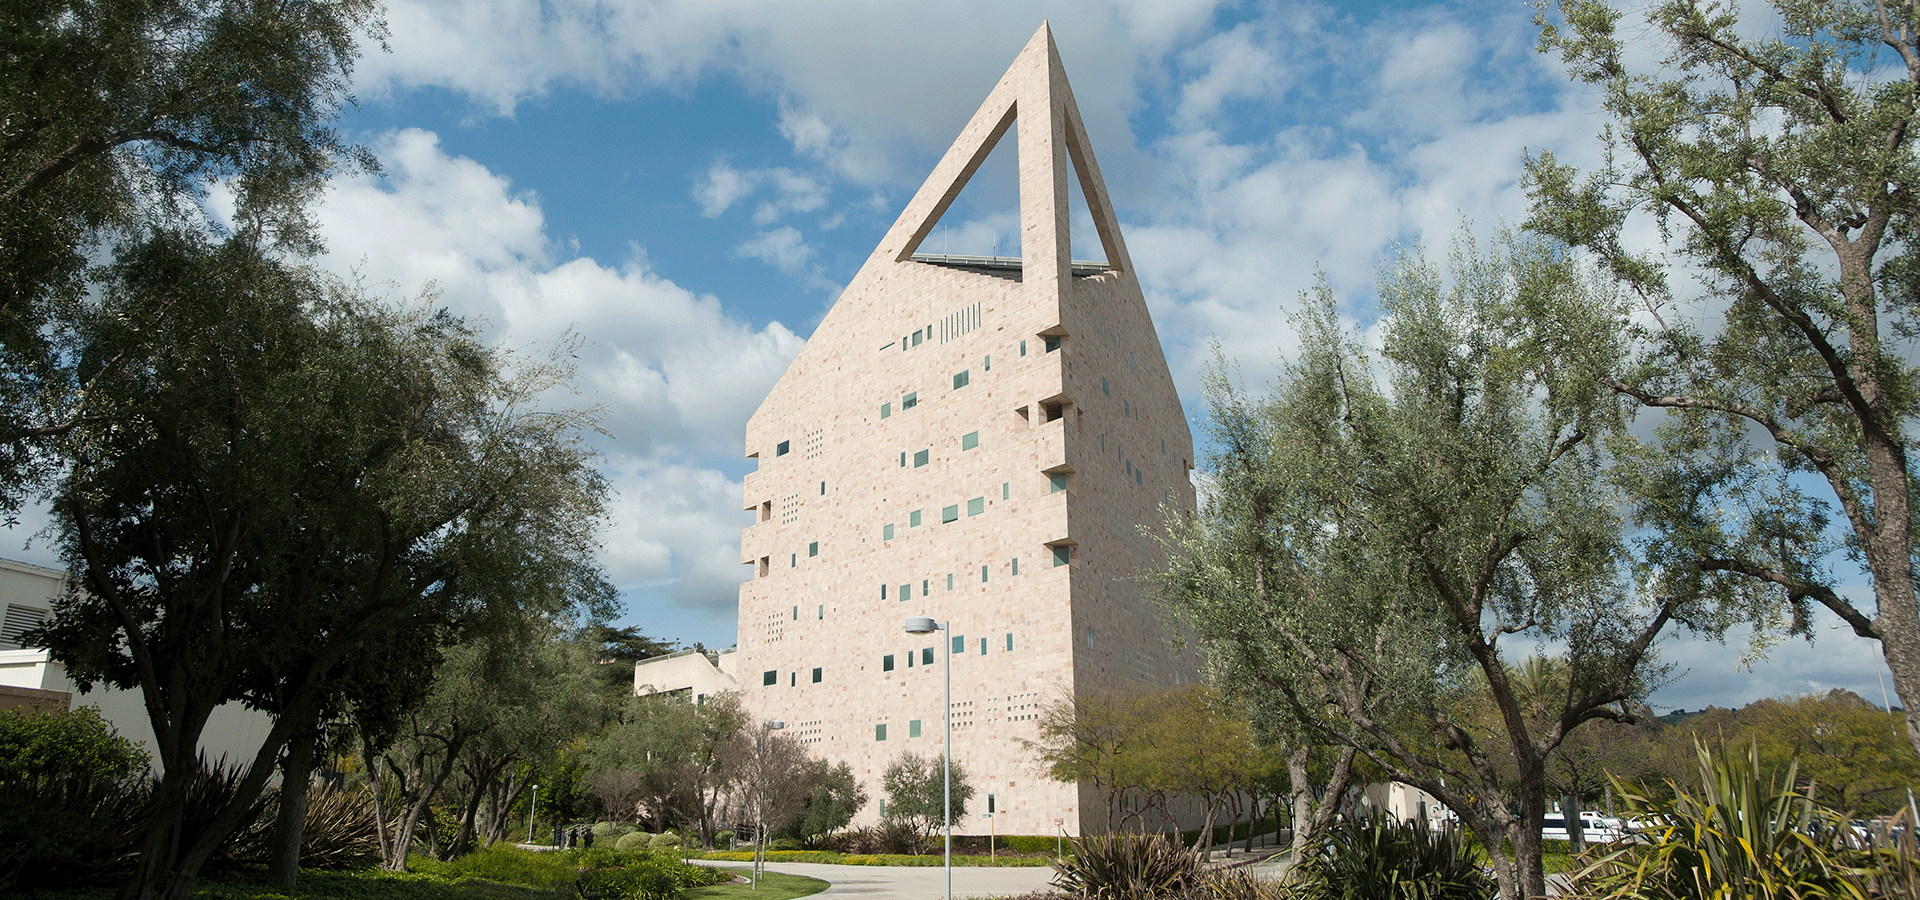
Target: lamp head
921,625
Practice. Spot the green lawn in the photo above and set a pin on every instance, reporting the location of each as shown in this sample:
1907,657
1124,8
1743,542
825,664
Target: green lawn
773,886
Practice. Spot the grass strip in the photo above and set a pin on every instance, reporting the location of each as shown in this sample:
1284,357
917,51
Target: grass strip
773,886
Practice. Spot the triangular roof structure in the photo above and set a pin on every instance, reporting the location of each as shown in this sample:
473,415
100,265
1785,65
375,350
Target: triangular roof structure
1033,91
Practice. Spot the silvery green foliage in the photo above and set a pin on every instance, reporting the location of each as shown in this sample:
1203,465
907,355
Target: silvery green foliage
1780,171
1388,531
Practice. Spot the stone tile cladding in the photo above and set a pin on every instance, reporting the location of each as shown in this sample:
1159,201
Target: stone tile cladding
928,394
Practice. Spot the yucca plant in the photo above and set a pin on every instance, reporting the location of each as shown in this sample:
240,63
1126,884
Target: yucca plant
1384,859
1122,866
1745,836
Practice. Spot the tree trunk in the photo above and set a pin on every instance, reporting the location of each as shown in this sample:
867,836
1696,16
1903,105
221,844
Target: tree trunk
296,773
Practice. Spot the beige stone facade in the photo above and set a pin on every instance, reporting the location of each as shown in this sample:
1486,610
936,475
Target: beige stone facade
978,441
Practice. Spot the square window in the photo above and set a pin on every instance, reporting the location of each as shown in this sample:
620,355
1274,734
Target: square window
917,336
886,409
1062,555
906,590
926,656
813,549
910,401
910,658
886,662
816,674
903,460
976,506
1053,343
970,440
959,644
920,459
913,519
880,732
781,449
1023,348
923,586
1056,482
769,677
913,728
950,513
886,533
961,379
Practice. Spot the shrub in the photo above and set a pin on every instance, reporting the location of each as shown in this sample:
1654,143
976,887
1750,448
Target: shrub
888,837
72,798
338,833
1385,859
1744,835
664,840
630,843
1121,866
785,844
639,882
611,830
1030,843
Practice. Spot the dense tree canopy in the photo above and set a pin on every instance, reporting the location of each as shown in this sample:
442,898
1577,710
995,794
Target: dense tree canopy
295,491
117,117
1782,169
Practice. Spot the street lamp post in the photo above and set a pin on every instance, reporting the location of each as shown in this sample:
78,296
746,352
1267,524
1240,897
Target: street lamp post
926,625
531,806
760,800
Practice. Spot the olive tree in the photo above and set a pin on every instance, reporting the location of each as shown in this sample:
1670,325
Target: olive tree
1781,173
1378,543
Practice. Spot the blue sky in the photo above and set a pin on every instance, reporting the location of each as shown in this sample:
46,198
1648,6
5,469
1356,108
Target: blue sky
688,184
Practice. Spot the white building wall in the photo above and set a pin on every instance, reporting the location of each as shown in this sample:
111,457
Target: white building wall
233,732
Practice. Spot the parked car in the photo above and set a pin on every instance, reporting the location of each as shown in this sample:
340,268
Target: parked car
1594,827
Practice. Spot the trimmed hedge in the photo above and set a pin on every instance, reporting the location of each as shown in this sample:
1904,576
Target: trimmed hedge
828,857
1031,843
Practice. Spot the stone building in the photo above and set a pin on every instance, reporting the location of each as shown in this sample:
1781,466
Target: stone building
978,440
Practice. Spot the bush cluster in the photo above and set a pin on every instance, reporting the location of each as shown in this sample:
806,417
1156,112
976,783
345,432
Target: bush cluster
1746,834
610,873
1389,859
893,836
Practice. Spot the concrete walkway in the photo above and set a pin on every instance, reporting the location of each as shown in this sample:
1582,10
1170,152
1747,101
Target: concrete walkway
925,882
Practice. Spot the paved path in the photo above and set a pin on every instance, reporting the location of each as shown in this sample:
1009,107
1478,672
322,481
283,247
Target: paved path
913,881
